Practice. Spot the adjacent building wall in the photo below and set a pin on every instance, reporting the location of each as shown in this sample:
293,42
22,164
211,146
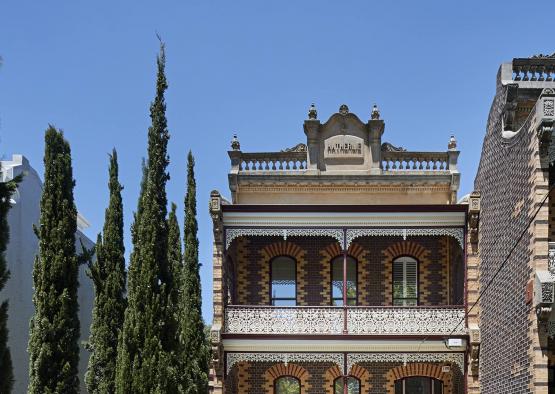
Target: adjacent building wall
512,183
21,252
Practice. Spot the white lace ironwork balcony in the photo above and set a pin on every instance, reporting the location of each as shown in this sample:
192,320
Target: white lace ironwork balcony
307,320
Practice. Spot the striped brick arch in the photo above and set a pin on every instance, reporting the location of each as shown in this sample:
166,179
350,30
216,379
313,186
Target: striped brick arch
279,370
357,371
405,248
419,369
359,254
283,248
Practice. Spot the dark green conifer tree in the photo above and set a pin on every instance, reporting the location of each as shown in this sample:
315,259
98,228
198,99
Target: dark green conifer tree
145,350
6,369
193,338
108,275
175,261
54,334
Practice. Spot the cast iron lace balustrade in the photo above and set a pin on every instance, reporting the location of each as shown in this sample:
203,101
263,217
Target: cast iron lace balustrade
405,320
415,161
306,320
283,320
272,162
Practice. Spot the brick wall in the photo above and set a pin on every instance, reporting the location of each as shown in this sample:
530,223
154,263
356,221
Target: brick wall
441,273
511,183
318,378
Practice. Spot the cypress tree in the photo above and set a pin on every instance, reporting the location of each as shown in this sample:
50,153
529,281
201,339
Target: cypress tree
145,351
193,338
54,334
108,275
6,370
175,261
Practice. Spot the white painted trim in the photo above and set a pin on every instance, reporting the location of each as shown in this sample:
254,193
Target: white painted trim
343,219
334,345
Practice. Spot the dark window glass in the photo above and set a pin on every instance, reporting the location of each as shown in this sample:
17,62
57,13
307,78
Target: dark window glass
337,281
353,385
418,385
405,282
287,385
283,285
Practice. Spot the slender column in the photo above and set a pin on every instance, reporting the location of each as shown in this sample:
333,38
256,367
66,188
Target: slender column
344,282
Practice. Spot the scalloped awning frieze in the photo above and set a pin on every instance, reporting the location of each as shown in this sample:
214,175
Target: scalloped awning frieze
455,232
232,233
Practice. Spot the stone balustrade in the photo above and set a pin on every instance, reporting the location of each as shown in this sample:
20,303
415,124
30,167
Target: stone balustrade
534,69
415,161
315,320
272,162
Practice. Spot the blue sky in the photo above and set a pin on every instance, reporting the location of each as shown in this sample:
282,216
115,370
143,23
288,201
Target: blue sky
250,67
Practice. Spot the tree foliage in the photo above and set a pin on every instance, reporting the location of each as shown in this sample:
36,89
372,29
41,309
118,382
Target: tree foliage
108,275
146,347
193,338
54,333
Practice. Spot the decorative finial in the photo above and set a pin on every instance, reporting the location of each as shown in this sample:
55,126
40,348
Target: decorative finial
343,110
235,145
312,112
452,143
375,112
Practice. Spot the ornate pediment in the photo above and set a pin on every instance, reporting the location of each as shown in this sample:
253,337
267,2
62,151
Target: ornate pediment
297,148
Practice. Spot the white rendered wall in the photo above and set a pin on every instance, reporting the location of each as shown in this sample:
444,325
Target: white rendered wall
22,248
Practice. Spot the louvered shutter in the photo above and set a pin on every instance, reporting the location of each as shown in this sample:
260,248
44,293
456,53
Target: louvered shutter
405,281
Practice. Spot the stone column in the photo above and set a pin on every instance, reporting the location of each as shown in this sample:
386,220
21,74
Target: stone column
376,128
311,129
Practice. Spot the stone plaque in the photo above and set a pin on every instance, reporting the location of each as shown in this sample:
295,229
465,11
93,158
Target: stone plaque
344,146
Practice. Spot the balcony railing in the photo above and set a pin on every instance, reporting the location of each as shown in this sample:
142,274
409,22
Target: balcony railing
310,320
415,161
270,162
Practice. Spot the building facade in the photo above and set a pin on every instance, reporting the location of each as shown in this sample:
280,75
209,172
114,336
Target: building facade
343,265
516,231
20,254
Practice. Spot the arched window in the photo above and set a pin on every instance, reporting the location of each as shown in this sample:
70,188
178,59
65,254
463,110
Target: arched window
405,281
283,286
418,384
287,385
353,385
337,281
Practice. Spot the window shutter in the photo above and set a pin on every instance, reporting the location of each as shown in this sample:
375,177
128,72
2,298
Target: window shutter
405,281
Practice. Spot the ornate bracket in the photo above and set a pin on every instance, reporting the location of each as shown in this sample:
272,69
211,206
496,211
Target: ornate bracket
457,233
235,358
455,358
474,206
475,340
216,345
509,108
232,233
544,294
